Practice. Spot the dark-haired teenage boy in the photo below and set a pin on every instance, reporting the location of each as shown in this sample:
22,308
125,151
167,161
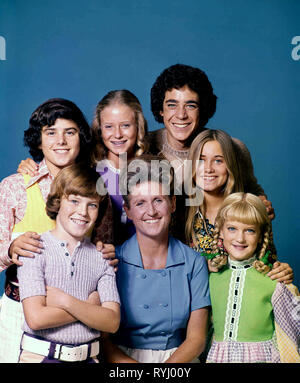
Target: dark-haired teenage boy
58,135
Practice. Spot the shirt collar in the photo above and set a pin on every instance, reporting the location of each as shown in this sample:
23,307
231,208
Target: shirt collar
175,255
247,263
53,238
132,253
42,172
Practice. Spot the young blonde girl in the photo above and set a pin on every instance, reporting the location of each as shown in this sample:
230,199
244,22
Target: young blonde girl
255,319
119,129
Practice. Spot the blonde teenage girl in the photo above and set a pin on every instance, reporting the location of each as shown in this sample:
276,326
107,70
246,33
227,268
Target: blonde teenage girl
119,128
216,172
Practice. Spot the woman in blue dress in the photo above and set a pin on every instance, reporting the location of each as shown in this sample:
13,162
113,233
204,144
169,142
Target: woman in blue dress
163,284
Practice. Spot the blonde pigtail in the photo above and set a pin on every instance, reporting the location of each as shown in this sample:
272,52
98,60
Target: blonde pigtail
261,264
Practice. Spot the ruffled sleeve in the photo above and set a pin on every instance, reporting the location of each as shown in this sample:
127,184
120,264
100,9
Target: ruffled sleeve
286,304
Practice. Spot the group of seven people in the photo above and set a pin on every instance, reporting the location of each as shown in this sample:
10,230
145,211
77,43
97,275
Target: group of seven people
177,211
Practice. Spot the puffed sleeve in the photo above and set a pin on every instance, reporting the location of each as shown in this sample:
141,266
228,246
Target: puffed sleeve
286,305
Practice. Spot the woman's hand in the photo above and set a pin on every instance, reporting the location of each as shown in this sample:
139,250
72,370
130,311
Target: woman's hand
282,272
29,167
24,246
108,252
112,353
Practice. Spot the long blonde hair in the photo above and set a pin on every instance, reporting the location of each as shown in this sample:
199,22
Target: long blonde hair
248,209
234,182
119,97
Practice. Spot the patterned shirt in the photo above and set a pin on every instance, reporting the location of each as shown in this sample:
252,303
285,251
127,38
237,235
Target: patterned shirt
202,240
13,203
78,274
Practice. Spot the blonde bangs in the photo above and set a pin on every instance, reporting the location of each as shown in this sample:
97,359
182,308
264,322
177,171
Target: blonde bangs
245,208
245,214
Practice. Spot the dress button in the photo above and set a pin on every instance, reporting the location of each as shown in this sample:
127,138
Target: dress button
66,254
163,273
62,244
143,276
72,273
73,264
146,306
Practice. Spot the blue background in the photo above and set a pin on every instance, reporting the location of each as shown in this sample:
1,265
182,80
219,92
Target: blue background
82,49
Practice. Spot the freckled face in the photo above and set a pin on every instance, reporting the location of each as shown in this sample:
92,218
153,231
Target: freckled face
76,216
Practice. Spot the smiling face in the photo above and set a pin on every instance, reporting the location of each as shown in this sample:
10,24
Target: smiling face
76,216
240,239
118,131
180,115
60,144
212,173
150,210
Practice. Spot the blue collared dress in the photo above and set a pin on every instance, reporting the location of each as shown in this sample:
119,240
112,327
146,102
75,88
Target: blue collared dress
156,304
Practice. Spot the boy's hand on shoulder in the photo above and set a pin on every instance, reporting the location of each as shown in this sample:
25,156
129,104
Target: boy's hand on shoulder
24,246
108,252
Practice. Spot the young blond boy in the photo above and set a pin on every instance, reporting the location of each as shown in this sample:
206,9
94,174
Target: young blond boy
57,287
